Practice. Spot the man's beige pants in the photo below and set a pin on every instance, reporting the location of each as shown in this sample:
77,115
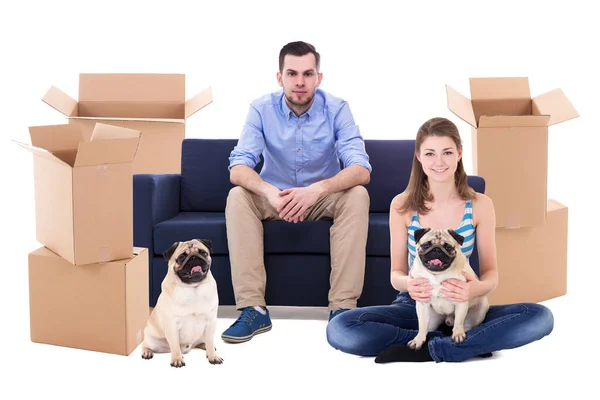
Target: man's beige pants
349,209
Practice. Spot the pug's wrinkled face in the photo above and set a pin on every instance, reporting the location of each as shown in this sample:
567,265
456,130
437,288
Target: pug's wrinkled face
190,261
437,248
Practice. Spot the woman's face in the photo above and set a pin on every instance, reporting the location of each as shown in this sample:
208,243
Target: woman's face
439,157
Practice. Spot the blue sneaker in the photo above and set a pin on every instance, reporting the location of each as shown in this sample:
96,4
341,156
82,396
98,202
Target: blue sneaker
332,314
250,322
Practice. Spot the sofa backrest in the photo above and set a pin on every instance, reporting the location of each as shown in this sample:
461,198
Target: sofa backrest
391,161
205,177
204,174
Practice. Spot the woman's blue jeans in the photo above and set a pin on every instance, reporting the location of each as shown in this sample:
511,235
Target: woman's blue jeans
367,331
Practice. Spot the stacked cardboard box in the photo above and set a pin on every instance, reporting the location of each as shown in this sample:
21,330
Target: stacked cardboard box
509,134
154,104
88,285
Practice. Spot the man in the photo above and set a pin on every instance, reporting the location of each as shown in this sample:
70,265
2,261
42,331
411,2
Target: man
302,133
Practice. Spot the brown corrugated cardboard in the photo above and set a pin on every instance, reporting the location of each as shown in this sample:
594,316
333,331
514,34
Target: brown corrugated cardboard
154,104
509,133
83,191
532,262
99,307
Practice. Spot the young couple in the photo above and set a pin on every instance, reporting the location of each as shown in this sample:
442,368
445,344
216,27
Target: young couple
302,133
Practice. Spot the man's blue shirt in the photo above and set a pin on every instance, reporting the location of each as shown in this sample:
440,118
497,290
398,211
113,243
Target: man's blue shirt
299,151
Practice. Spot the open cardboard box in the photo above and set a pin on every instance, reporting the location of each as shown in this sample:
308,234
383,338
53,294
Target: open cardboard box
154,104
84,191
510,143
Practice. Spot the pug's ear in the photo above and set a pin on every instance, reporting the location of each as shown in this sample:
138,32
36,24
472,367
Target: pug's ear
419,234
169,252
207,243
459,238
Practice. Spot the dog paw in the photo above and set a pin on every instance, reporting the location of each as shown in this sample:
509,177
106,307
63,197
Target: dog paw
215,359
177,362
458,336
147,353
416,343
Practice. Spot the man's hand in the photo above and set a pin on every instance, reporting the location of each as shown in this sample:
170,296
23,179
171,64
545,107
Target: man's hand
457,290
276,200
296,201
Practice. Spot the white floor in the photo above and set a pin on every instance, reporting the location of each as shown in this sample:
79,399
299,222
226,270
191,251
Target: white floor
293,360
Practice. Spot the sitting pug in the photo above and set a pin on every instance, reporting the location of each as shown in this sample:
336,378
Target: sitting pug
439,257
185,315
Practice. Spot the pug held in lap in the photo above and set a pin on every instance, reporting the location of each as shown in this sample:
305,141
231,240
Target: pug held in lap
185,315
439,257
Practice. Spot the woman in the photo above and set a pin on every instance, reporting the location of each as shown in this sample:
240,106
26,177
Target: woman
438,196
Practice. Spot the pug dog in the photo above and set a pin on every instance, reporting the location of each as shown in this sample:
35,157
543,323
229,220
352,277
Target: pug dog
185,316
439,257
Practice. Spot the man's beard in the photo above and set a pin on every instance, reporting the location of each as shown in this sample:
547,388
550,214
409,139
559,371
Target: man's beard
298,104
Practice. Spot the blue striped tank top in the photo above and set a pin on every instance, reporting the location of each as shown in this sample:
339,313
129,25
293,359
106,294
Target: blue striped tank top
465,229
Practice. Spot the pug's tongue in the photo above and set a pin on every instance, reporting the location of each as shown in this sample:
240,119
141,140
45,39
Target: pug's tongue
435,261
197,268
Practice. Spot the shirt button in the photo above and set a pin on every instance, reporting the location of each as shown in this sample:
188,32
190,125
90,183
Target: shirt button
298,126
297,150
298,170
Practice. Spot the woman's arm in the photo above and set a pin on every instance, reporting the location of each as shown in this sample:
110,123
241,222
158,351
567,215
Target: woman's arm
398,245
484,218
419,289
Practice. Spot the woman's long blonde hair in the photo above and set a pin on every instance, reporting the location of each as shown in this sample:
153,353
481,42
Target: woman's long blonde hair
418,187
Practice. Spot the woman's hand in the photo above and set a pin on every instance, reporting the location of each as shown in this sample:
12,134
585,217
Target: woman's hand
457,290
419,288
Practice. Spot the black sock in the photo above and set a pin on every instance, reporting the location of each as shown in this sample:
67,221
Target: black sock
403,353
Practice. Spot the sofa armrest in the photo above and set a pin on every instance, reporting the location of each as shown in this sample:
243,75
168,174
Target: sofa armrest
155,199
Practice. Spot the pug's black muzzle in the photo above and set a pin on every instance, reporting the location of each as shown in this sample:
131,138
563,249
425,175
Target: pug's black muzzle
193,269
436,258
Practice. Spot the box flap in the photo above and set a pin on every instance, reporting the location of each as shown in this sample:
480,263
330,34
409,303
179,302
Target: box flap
137,88
111,151
198,102
555,104
104,131
56,137
521,121
460,106
132,95
61,102
40,152
499,88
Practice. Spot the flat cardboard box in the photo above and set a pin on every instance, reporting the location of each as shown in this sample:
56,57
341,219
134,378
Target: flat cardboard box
154,104
84,191
99,307
509,133
532,262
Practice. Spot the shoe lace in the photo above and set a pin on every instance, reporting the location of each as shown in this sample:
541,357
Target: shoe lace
246,316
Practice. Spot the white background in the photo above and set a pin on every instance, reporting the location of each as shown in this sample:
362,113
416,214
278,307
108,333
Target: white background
392,64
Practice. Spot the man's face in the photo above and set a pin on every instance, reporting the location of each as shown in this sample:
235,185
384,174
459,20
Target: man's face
299,80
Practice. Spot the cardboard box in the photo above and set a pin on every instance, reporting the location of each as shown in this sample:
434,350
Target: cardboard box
99,307
532,262
84,191
154,104
509,133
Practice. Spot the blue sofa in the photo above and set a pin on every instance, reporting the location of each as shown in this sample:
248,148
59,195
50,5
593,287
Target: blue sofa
178,207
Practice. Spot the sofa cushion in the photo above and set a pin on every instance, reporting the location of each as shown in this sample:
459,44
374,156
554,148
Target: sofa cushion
303,237
378,239
280,236
192,225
